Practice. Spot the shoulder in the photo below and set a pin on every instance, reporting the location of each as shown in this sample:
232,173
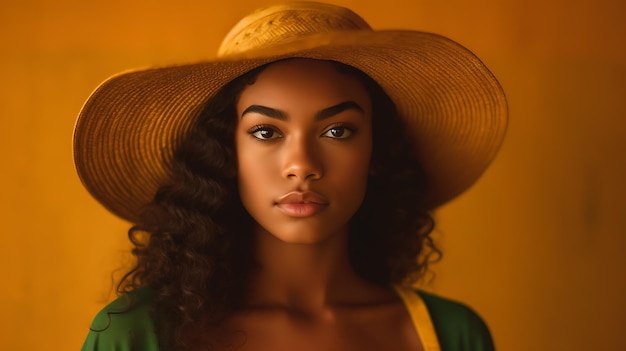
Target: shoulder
458,327
124,324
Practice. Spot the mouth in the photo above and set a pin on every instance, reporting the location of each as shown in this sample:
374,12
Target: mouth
301,204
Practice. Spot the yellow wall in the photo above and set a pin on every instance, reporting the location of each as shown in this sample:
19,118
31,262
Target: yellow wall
536,246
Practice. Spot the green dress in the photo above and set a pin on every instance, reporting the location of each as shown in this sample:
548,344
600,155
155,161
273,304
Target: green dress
442,324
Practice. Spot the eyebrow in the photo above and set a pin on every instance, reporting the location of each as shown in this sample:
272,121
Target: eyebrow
321,115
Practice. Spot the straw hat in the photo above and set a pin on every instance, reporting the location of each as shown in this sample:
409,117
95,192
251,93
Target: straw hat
454,107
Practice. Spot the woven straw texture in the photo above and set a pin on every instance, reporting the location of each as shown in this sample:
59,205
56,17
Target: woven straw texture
454,107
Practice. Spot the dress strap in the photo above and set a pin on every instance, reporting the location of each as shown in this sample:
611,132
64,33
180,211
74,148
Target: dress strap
421,318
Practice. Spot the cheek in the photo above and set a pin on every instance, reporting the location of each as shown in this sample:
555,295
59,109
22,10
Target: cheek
361,162
246,166
360,174
350,172
254,175
245,171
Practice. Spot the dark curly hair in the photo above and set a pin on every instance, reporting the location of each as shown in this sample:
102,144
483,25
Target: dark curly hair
193,243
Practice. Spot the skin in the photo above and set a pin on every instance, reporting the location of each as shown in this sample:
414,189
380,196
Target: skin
305,128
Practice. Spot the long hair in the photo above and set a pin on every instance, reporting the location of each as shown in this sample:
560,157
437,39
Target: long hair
193,243
390,241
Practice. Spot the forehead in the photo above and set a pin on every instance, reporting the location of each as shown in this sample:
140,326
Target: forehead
305,83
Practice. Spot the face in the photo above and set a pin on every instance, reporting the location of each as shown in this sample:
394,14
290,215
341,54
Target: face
304,142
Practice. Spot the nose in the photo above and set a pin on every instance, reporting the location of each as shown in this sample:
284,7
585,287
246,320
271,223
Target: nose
302,160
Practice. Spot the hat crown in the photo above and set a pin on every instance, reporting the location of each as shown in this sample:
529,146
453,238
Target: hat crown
288,22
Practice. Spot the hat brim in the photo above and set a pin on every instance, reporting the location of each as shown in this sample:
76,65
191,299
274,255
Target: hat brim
455,111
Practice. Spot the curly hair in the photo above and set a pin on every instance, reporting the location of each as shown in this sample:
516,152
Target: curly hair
389,240
193,243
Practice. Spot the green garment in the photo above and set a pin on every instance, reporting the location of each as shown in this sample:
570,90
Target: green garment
457,326
125,325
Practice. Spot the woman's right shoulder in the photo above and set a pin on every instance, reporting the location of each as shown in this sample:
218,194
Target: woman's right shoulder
124,324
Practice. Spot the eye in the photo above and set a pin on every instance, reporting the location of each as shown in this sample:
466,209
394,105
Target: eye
264,133
338,132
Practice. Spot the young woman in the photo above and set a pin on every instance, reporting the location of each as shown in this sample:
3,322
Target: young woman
282,194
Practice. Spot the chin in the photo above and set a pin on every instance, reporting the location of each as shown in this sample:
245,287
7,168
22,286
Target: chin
304,235
301,237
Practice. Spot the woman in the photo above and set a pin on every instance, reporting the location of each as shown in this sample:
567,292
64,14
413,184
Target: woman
282,194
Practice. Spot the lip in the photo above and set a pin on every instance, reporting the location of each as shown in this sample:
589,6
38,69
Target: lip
301,204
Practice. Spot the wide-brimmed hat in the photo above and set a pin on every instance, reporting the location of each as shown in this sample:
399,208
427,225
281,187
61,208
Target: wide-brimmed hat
454,108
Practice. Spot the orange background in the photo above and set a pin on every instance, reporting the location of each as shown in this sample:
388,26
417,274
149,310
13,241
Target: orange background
536,246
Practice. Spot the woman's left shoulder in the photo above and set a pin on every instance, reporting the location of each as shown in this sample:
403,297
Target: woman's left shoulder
457,325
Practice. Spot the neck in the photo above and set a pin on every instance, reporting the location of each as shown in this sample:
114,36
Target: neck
305,276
